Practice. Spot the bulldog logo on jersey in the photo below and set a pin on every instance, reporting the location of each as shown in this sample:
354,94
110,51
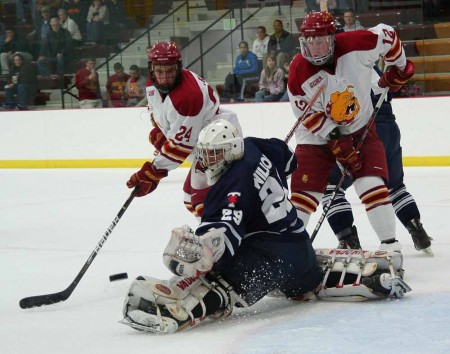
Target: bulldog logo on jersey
232,199
343,107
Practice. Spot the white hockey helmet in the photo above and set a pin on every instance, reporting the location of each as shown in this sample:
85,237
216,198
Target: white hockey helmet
218,145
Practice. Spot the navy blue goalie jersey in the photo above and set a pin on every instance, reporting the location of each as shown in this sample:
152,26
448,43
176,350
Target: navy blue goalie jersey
252,196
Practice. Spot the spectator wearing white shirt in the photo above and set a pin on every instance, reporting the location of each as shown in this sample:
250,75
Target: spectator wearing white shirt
70,25
260,45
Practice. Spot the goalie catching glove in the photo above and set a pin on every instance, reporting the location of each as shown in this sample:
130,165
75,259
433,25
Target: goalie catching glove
395,79
147,178
188,254
344,150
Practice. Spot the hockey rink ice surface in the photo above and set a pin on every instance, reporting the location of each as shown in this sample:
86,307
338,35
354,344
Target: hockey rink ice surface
52,219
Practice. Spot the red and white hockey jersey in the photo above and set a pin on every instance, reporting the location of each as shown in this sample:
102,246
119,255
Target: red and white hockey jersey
345,102
181,115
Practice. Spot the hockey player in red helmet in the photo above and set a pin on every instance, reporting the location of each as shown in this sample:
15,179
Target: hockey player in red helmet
317,40
164,66
340,66
181,104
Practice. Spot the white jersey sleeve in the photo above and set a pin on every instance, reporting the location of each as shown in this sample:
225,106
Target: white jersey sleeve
181,115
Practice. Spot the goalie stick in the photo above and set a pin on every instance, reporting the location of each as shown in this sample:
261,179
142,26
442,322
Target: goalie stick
49,299
345,171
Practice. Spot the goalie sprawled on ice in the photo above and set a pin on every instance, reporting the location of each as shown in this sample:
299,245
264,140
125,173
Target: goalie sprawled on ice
250,242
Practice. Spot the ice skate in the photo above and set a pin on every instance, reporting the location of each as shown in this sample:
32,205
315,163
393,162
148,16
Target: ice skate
422,242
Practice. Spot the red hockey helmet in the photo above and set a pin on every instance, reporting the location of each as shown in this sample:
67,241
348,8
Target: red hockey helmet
318,29
318,24
165,54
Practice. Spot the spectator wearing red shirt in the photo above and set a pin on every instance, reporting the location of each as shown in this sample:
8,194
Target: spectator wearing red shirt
86,81
115,87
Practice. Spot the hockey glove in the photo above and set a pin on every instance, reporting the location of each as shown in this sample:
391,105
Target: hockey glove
147,178
396,79
157,138
191,255
345,152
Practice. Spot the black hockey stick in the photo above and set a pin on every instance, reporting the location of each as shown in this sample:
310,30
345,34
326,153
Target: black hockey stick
49,299
345,171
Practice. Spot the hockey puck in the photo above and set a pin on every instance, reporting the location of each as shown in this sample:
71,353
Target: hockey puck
118,276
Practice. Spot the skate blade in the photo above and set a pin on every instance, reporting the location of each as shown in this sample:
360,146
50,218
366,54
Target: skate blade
428,251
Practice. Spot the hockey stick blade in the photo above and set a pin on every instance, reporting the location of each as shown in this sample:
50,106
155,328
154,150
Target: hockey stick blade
50,299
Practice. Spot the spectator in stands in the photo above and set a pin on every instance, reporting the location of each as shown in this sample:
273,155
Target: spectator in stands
20,11
56,48
260,45
87,83
70,25
41,26
97,18
13,44
135,88
281,44
350,22
287,66
22,82
116,9
77,11
115,87
311,5
245,68
328,5
271,82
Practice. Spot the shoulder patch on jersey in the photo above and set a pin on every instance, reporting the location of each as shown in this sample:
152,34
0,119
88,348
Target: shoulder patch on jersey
232,199
300,71
187,97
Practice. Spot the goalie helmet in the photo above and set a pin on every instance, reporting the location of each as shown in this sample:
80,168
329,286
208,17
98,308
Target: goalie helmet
317,40
165,65
218,145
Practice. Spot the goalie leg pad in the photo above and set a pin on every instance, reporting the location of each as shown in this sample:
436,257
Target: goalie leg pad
167,306
388,261
354,275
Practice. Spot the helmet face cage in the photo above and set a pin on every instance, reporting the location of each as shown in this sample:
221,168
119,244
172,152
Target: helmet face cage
161,55
307,42
218,145
318,28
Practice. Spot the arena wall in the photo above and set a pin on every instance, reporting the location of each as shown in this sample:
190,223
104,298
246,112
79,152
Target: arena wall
119,137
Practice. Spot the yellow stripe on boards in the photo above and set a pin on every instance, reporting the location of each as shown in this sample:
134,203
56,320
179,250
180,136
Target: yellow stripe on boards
426,161
418,161
113,163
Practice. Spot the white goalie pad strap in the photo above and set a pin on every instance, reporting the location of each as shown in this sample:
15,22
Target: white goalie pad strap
190,255
339,258
350,292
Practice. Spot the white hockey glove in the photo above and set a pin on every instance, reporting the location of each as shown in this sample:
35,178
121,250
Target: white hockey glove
190,255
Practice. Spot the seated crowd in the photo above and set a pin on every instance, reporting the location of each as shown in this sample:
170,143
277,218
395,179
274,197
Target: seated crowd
49,50
267,64
61,26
